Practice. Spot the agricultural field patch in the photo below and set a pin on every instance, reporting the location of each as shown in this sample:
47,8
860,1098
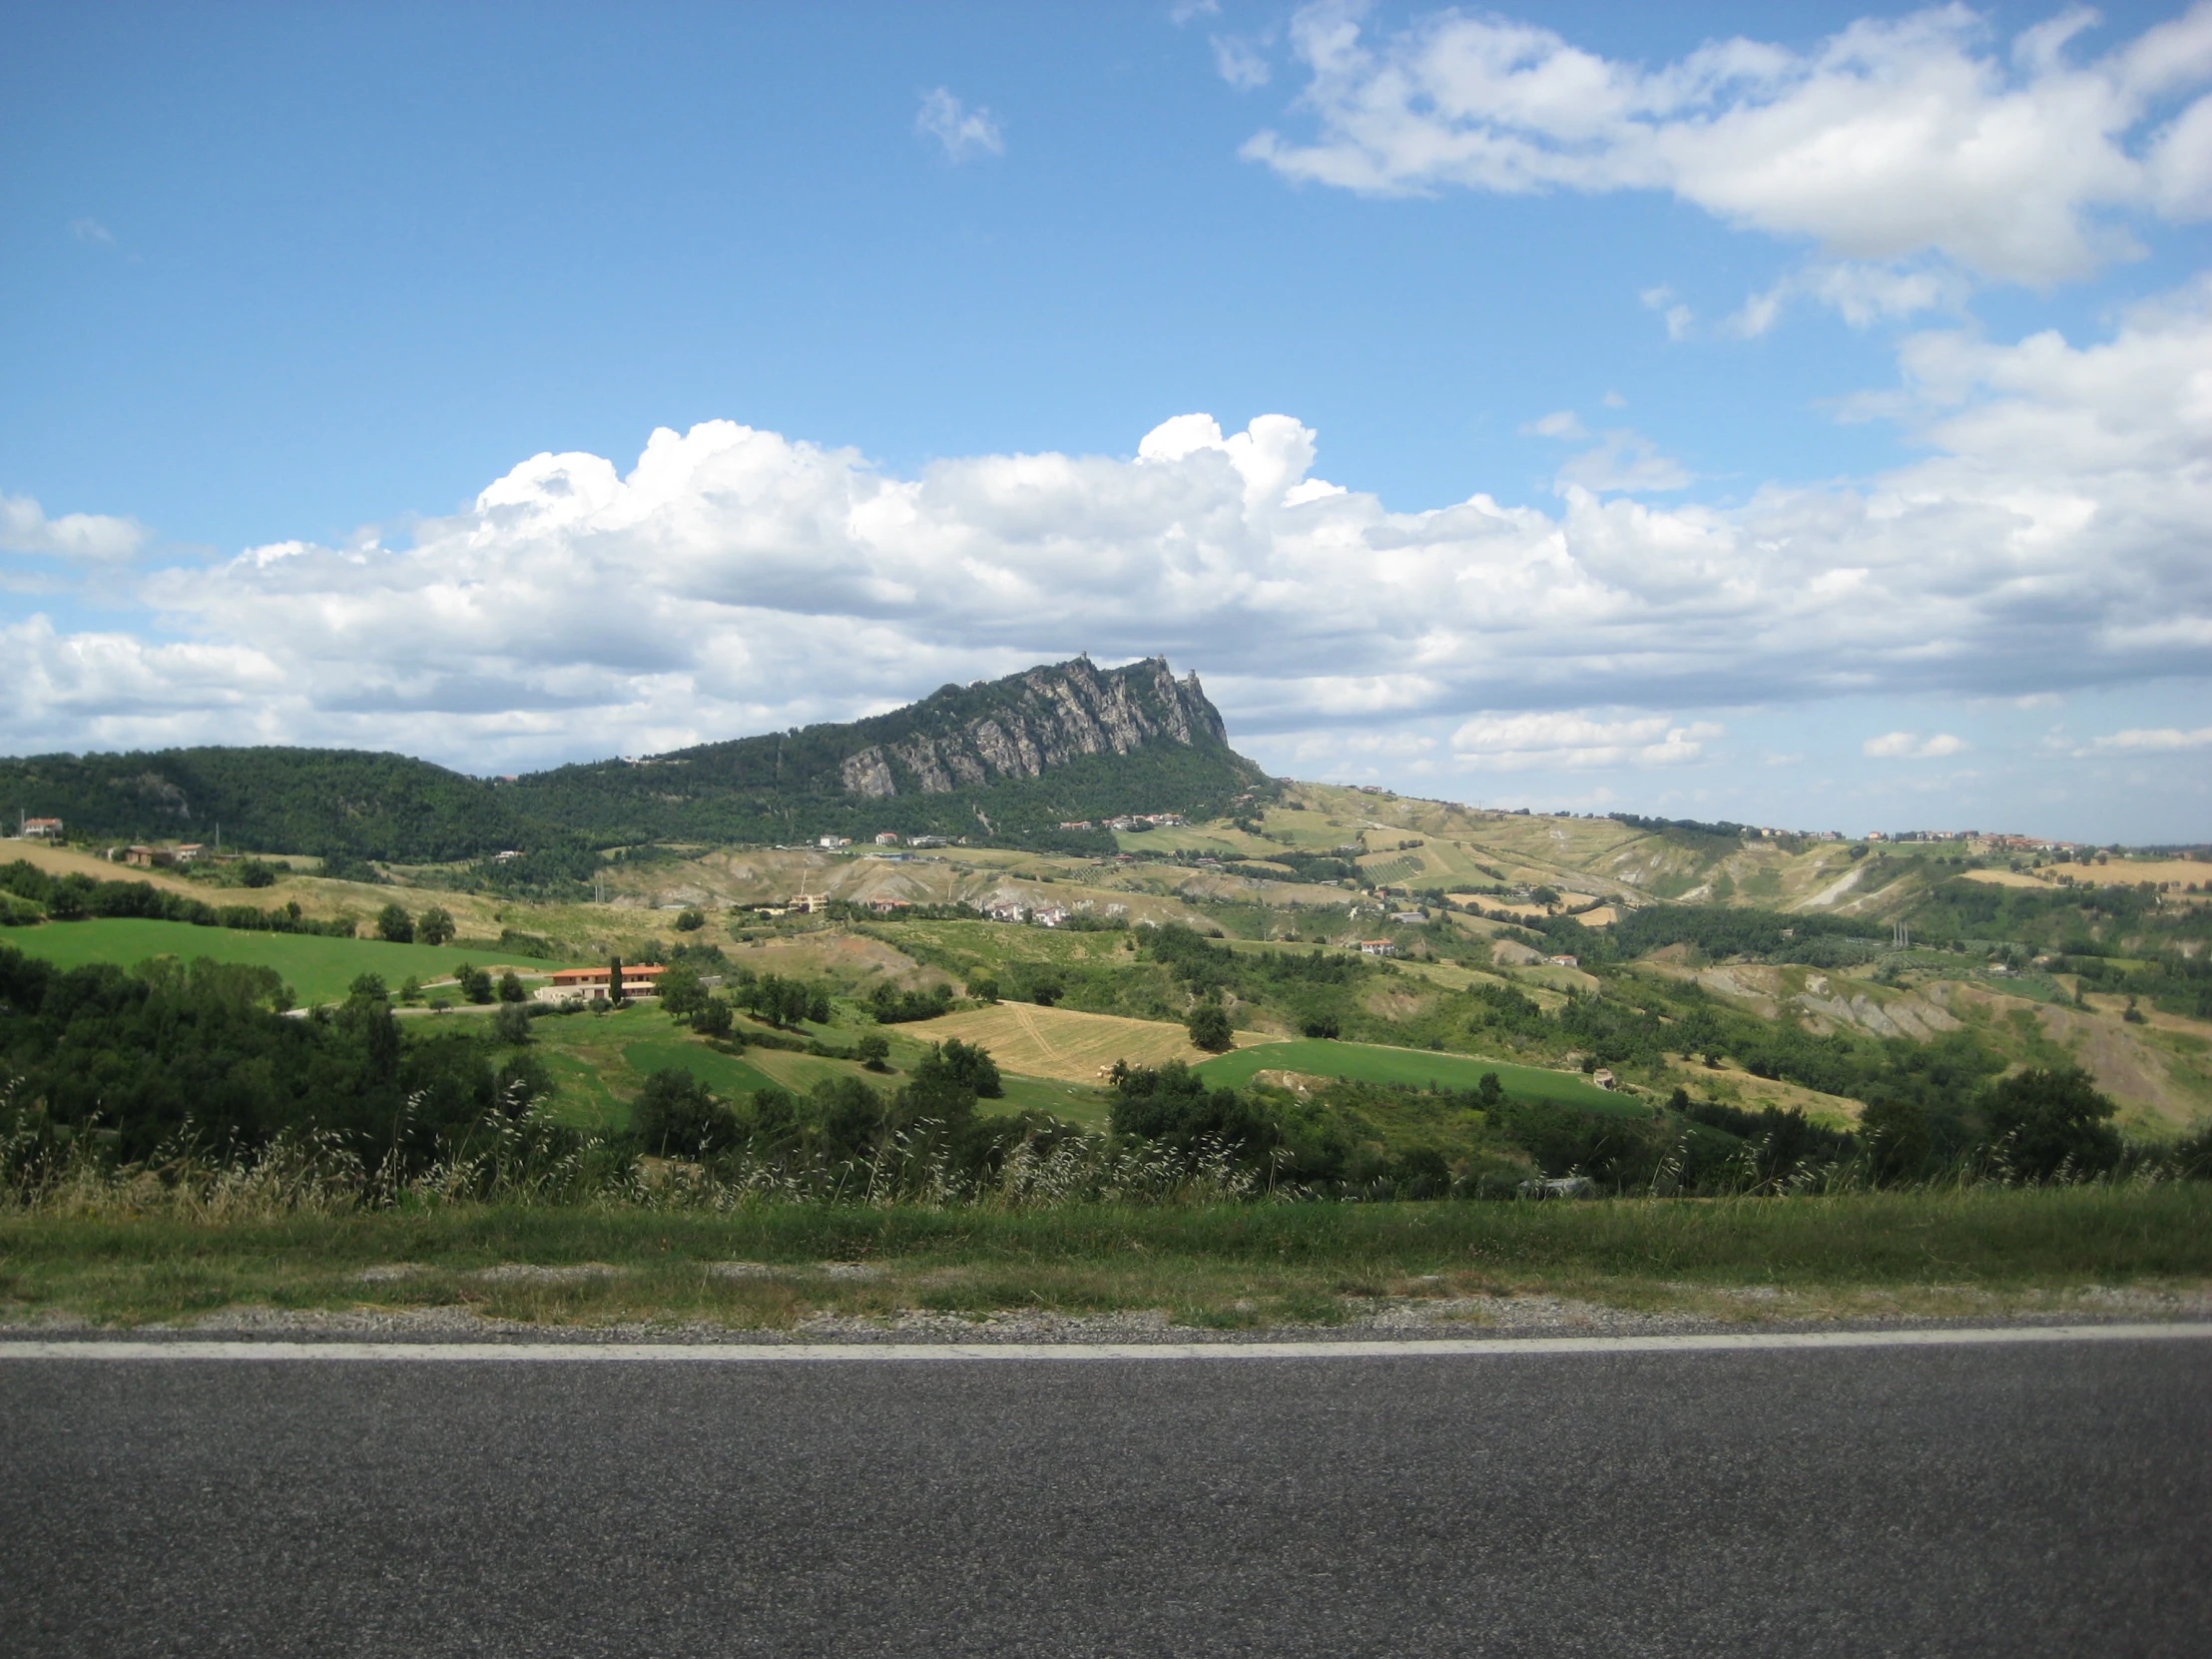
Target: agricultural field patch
318,970
1064,1044
68,860
1416,1068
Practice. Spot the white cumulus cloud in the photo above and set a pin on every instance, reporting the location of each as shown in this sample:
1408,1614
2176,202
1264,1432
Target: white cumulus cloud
737,580
1240,63
1893,139
1578,739
2155,741
964,133
1910,746
25,528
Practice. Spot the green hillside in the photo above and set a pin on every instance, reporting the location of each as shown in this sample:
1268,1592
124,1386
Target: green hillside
1375,1063
318,970
1003,762
1008,759
331,803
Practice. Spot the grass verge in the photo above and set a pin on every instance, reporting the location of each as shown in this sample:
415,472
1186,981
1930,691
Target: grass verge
1982,1251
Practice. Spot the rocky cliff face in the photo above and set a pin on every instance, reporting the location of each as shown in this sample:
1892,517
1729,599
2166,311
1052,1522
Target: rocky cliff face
1020,727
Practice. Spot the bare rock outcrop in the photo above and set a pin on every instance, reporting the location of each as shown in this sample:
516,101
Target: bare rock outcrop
1045,717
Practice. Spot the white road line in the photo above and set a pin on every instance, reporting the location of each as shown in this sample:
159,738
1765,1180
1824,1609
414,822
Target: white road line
787,1354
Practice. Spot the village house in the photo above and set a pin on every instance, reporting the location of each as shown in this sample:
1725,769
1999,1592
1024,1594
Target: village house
831,843
190,852
886,838
581,984
1564,961
889,906
807,904
148,857
1050,916
1603,1078
42,828
1377,947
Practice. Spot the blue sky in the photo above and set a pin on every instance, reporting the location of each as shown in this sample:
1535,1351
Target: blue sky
1833,399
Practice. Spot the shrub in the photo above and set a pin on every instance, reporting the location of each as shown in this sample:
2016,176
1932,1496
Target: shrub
1209,1029
2048,1122
891,1006
967,1065
1896,1138
674,1117
690,921
511,1024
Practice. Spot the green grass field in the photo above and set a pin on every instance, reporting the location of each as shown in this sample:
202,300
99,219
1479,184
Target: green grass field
1373,1063
317,969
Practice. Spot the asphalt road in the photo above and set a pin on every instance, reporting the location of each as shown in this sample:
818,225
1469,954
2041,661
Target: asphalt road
1994,1501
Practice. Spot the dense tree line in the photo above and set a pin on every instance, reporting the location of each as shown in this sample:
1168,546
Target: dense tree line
77,898
136,1060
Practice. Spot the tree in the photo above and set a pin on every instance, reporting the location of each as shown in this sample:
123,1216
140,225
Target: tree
674,1117
873,1050
713,1018
967,1065
680,992
511,1024
394,925
410,989
437,927
475,983
251,872
690,921
1209,1029
2046,1122
1896,1138
510,987
983,988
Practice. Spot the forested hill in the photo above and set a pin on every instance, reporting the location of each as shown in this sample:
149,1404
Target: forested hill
342,802
1005,760
1010,757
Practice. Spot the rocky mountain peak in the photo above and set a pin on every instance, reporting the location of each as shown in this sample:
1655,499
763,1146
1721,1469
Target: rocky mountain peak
1020,727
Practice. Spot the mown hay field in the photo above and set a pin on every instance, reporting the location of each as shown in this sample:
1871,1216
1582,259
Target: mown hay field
1062,1043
